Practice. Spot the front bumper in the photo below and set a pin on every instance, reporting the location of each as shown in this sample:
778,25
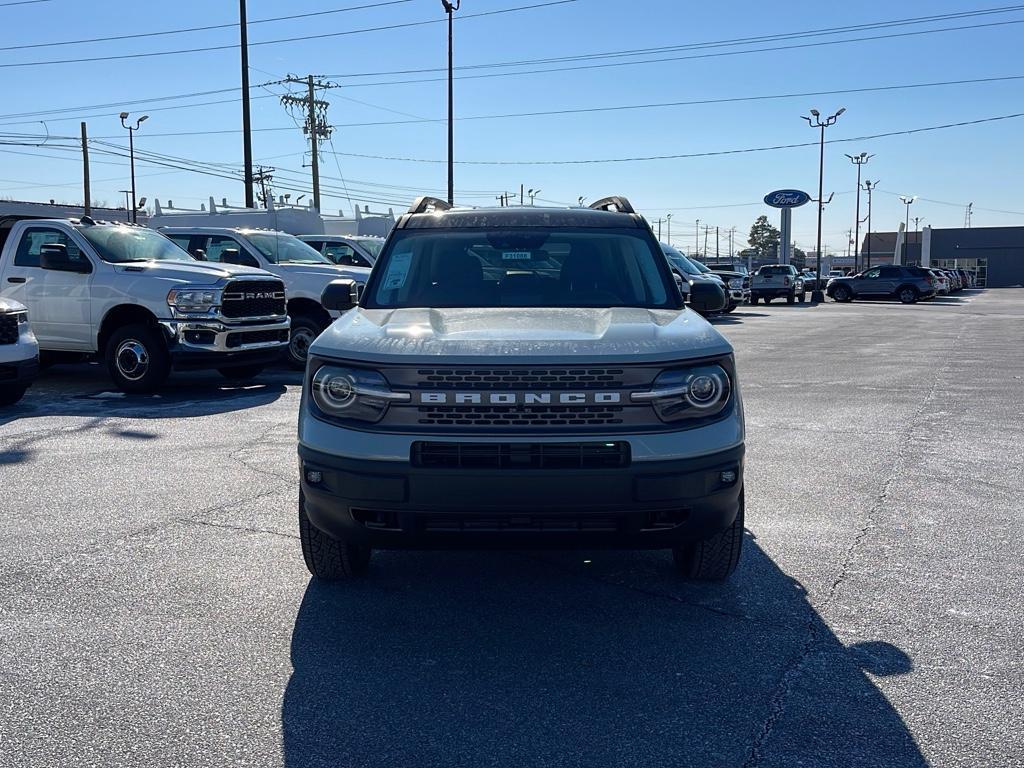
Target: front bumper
646,505
212,343
19,371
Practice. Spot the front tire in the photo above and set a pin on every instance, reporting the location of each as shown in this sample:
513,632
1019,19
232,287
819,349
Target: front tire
137,359
791,298
767,299
11,393
712,559
305,329
328,558
907,295
753,299
842,293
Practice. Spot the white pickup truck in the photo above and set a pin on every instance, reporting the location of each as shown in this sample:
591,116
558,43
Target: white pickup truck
19,352
305,272
131,297
773,281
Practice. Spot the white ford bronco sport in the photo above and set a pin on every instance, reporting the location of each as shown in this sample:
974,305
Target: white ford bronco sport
520,377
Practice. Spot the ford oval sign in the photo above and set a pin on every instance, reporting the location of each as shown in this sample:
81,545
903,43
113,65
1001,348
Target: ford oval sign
787,198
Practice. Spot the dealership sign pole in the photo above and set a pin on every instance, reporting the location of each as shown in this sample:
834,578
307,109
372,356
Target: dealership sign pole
786,200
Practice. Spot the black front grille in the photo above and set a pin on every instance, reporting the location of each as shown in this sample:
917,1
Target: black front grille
253,298
8,329
235,340
511,523
521,455
520,416
506,379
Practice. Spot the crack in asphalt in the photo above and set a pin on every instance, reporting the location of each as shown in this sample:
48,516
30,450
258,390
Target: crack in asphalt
244,528
815,621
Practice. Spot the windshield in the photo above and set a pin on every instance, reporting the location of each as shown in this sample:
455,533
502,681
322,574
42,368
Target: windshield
680,261
371,244
281,248
701,266
120,244
521,268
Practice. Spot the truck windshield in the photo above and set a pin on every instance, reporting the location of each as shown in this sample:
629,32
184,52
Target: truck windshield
680,261
120,244
370,244
520,268
281,248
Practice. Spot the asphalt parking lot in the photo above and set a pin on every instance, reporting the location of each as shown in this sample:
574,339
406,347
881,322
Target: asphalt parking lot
155,610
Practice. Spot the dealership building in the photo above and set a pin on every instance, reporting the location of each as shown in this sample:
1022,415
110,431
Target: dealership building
996,254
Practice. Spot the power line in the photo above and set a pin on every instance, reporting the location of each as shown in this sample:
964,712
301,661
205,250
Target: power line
690,154
301,38
24,2
184,30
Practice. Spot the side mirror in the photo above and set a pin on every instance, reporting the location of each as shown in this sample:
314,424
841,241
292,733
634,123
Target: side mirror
54,256
199,254
682,285
707,297
340,295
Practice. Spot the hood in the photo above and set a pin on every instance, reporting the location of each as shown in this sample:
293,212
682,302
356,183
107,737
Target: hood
8,306
470,336
199,272
729,275
326,271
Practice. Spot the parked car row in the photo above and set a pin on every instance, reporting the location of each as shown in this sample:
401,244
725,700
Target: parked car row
907,283
148,302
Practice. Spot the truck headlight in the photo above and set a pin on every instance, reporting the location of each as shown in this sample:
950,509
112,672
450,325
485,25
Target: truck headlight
21,318
736,283
194,299
353,393
688,393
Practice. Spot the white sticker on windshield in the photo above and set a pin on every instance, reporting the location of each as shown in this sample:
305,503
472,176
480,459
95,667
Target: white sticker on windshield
516,255
398,271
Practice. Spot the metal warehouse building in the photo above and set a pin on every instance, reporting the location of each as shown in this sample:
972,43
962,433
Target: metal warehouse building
996,253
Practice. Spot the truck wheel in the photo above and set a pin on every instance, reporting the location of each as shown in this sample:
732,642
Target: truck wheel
907,294
753,299
731,307
791,298
326,557
137,359
305,329
767,299
713,559
802,297
241,372
11,393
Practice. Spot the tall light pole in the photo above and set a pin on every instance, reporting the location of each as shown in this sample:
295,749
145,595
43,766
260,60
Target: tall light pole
131,154
668,218
869,185
858,160
815,121
907,201
450,8
246,118
533,193
127,204
696,237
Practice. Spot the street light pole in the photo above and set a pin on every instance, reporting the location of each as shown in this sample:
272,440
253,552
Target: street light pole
858,160
907,201
127,204
696,236
869,185
668,218
131,154
246,118
816,122
450,9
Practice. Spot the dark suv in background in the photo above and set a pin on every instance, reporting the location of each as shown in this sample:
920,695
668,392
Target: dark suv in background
889,281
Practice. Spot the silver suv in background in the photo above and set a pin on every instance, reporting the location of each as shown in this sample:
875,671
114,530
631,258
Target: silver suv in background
889,281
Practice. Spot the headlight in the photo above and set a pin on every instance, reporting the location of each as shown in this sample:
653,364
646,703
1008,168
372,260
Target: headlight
352,393
736,283
22,318
688,393
189,299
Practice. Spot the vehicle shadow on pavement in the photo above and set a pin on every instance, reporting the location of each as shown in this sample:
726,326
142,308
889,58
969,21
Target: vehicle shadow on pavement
580,659
736,316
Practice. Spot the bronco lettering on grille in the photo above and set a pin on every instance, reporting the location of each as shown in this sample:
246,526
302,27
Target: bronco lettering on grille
520,398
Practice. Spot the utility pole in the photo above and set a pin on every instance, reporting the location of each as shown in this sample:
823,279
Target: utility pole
450,8
717,257
263,177
869,185
246,118
817,295
696,236
522,194
849,240
707,228
967,215
316,126
87,207
858,160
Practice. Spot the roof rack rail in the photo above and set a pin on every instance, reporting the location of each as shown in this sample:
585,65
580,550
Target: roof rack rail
616,202
425,203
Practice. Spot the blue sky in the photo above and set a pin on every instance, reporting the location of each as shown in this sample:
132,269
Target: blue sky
947,169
